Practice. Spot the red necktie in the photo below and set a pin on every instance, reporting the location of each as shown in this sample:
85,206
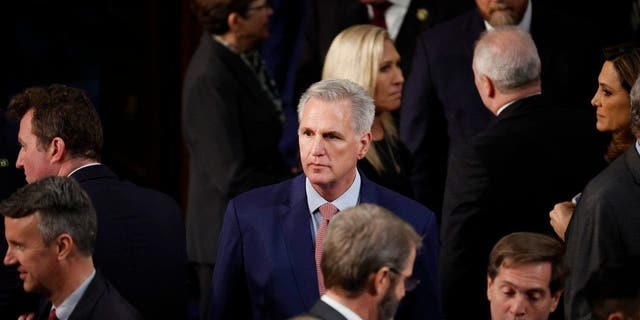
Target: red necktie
327,211
52,315
378,14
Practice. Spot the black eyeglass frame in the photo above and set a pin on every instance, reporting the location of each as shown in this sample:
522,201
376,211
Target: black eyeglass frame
410,283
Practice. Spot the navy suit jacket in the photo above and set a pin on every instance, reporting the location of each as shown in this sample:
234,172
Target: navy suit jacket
141,243
441,108
101,301
266,267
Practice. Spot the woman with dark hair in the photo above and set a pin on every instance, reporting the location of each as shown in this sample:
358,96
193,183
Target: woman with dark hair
612,102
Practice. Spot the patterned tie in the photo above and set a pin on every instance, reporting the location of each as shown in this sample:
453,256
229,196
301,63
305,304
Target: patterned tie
52,315
327,211
378,14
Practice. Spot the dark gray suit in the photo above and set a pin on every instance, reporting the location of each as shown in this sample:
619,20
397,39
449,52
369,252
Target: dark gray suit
231,128
605,227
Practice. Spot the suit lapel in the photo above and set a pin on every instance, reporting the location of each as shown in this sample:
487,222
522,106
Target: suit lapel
632,160
295,222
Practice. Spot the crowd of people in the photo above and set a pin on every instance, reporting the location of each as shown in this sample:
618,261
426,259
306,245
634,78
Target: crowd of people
447,166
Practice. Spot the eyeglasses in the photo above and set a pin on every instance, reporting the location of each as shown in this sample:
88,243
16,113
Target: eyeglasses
260,7
410,283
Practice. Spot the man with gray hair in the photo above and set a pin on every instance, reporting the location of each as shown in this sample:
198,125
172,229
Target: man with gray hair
51,227
270,247
509,176
604,227
367,263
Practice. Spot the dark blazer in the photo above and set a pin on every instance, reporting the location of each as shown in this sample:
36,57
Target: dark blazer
323,311
604,228
508,180
231,128
100,301
441,109
327,18
265,267
140,245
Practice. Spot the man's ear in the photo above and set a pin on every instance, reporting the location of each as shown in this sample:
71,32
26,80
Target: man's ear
555,298
380,282
64,243
487,86
364,143
57,149
489,283
233,20
617,315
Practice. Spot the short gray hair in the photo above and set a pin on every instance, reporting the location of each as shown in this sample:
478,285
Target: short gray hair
508,56
333,90
635,107
360,241
63,208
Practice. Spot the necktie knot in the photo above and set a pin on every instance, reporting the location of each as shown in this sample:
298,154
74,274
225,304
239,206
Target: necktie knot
328,210
52,314
379,10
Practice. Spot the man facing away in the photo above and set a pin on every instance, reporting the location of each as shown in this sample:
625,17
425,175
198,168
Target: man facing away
525,276
506,178
367,264
269,249
51,227
140,245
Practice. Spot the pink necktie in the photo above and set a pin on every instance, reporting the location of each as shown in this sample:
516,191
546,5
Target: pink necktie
327,211
379,10
52,315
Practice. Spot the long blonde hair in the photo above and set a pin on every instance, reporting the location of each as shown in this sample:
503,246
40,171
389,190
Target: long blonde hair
355,55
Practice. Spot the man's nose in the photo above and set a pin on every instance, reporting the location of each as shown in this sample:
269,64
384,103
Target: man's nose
318,146
9,259
19,161
519,305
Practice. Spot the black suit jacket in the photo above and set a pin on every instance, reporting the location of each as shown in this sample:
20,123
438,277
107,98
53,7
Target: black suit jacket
604,228
506,181
231,128
441,109
323,311
101,301
140,246
327,18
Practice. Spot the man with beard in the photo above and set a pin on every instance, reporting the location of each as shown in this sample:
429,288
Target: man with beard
366,262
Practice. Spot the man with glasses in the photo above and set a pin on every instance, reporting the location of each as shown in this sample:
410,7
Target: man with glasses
367,264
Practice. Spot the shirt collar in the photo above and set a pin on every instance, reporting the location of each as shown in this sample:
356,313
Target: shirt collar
342,309
638,146
69,304
345,201
525,23
512,101
83,166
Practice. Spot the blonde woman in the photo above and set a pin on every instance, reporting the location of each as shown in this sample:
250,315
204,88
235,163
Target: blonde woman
366,55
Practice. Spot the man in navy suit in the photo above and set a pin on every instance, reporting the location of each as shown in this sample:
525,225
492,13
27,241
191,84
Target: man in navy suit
265,265
51,229
140,246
